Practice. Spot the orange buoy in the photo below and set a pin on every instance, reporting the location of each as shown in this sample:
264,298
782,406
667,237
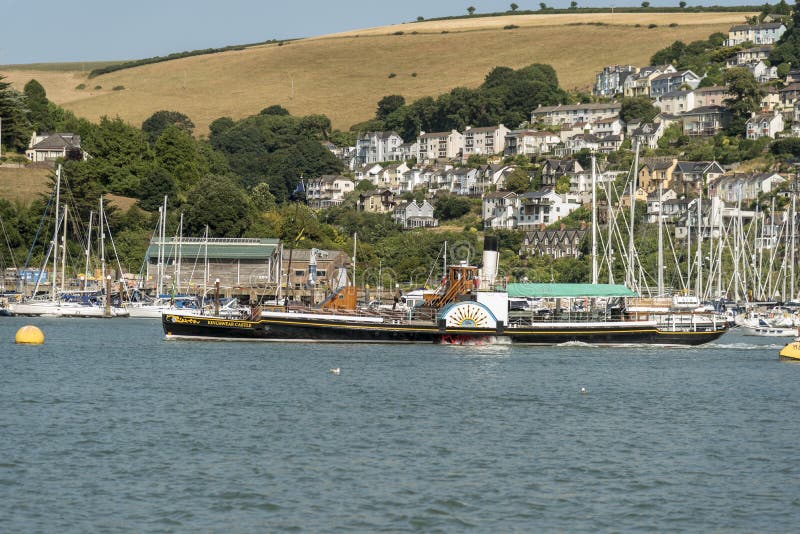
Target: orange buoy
29,335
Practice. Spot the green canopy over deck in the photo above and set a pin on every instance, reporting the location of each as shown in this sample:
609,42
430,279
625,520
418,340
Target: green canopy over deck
569,290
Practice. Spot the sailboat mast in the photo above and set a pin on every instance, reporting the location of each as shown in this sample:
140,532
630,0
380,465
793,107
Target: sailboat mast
88,252
53,291
610,226
793,236
64,252
660,240
699,283
178,263
355,244
630,274
594,222
205,266
100,229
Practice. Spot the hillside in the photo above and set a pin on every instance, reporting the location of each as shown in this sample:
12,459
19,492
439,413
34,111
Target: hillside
344,75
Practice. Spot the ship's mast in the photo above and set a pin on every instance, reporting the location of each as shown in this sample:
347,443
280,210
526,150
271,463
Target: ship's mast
594,222
629,279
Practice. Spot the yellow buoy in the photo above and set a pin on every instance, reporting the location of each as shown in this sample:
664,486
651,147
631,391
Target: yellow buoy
791,351
29,335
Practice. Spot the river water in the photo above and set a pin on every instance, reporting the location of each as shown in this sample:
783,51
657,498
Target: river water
107,427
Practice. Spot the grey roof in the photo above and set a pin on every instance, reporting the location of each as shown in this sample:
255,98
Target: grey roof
58,141
763,26
217,248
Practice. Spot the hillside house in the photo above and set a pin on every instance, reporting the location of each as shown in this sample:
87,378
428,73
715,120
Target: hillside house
499,209
673,81
368,171
647,134
710,96
764,125
573,113
415,215
374,147
544,207
655,204
553,169
50,147
748,55
639,84
530,143
705,121
762,72
692,176
607,126
494,176
758,34
562,243
483,141
611,80
676,102
746,187
655,171
440,145
378,201
328,190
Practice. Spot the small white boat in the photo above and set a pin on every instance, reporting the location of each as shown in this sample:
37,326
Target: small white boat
765,329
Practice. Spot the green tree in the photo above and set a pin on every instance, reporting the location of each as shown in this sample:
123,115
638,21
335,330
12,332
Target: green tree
745,97
155,185
787,50
573,4
38,105
219,203
16,128
388,105
562,185
645,4
514,6
542,6
682,4
518,181
176,152
451,207
261,198
637,108
155,125
471,10
275,110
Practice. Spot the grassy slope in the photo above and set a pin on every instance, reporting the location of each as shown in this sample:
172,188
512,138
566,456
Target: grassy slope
344,75
24,184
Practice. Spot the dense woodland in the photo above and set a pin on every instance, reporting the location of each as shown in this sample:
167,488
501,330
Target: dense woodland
240,180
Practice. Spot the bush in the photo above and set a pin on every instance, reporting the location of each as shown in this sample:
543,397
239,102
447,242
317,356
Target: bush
392,75
510,26
118,88
673,25
652,26
98,87
80,86
398,33
413,74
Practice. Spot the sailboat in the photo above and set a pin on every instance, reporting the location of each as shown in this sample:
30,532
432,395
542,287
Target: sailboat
62,302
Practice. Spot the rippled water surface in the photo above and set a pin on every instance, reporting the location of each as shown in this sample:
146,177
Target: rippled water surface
107,427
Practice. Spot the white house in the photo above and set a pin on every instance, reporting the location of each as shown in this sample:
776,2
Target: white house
499,209
639,84
545,207
759,34
485,140
530,142
374,147
765,125
440,145
611,80
744,186
676,102
50,147
328,190
673,81
570,114
648,134
415,215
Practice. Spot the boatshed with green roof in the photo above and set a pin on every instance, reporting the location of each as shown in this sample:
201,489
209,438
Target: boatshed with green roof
237,263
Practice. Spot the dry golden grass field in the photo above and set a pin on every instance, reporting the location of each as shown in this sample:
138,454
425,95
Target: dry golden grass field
344,75
24,184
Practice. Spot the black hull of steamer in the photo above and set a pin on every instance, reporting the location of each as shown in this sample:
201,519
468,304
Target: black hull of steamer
296,327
